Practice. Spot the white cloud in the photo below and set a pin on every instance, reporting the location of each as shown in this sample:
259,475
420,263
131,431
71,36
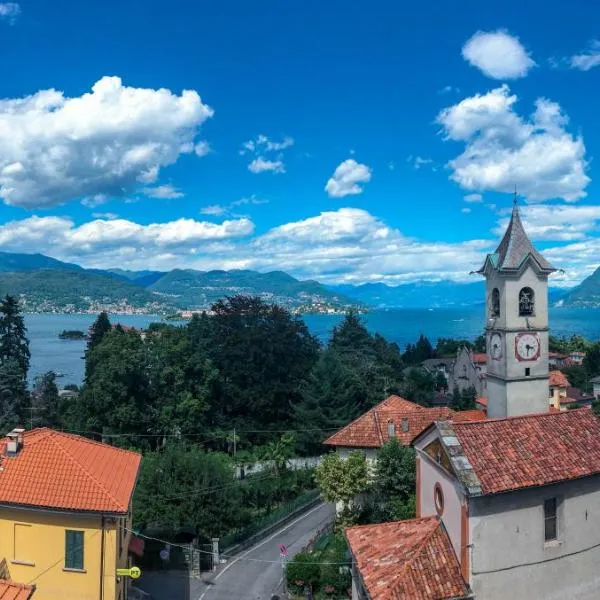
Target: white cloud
268,153
54,148
213,209
346,179
419,161
9,11
465,210
105,242
557,223
498,55
589,59
166,191
260,165
447,89
106,215
473,198
503,149
202,148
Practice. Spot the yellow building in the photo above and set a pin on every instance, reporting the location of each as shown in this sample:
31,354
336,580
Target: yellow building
65,514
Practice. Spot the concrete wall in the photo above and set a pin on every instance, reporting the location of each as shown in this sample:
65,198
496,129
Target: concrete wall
509,557
42,553
430,474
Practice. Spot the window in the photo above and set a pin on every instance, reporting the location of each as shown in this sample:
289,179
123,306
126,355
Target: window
74,550
391,430
527,371
495,303
405,425
438,499
550,520
526,302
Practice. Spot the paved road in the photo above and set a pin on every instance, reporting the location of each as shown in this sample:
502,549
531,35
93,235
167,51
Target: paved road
255,574
247,578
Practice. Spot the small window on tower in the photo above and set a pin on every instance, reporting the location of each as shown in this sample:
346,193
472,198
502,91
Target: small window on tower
495,303
527,371
526,302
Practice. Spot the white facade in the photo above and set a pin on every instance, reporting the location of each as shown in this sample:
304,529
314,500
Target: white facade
516,384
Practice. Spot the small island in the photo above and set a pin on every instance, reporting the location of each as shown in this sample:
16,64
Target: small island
72,334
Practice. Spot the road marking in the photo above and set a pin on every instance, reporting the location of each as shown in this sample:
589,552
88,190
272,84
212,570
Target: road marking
278,532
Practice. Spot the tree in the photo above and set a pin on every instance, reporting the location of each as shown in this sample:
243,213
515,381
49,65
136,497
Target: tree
279,452
13,395
417,353
577,375
341,480
418,386
479,344
98,330
463,400
264,356
591,362
45,402
441,383
395,473
14,345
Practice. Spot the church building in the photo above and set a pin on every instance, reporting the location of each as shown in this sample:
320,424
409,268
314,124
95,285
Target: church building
517,496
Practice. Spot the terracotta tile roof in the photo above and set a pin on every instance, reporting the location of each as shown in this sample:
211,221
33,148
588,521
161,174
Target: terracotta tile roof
519,452
65,471
482,401
407,560
468,415
559,379
479,358
371,429
9,590
567,400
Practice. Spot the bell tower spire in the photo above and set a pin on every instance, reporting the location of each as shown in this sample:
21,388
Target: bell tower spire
516,323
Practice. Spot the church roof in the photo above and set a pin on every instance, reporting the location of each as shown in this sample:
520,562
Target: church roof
515,248
501,455
407,560
370,430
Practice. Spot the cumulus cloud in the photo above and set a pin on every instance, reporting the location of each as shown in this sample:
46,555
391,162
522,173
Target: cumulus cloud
54,148
556,223
104,241
163,192
498,55
473,198
503,149
202,148
589,59
260,165
465,210
213,210
347,178
106,215
9,11
223,209
418,162
268,153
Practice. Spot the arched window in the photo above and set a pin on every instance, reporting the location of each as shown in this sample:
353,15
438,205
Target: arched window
526,302
495,307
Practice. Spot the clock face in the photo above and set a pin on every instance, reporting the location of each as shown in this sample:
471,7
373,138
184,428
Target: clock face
527,346
495,346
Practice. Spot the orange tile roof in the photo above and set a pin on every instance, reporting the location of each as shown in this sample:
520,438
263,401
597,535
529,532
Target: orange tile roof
482,401
519,452
65,471
9,590
407,560
473,414
371,429
559,379
479,358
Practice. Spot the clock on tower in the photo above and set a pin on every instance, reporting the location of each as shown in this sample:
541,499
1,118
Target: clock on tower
516,324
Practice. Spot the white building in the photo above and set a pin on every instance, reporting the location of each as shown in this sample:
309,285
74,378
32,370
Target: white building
518,494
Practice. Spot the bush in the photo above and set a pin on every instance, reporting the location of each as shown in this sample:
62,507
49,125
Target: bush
303,571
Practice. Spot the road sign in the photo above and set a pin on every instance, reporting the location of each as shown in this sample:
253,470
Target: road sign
282,549
133,572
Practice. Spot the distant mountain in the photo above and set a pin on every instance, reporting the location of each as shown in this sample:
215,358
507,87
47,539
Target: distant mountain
77,290
10,261
586,294
424,294
191,289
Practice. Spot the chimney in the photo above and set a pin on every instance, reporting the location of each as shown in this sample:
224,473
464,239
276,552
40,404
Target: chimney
15,442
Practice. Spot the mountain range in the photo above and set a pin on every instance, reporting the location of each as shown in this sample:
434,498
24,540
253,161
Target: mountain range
50,285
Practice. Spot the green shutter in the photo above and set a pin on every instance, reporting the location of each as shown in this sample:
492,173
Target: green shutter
73,549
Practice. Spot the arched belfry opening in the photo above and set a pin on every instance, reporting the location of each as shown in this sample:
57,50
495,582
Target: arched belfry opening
526,302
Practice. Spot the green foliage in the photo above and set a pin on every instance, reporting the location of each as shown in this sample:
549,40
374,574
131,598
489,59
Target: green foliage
340,480
415,354
72,334
591,362
303,571
13,395
577,376
463,400
395,471
45,403
14,344
418,386
562,345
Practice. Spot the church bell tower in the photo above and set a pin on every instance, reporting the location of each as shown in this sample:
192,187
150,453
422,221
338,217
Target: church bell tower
516,324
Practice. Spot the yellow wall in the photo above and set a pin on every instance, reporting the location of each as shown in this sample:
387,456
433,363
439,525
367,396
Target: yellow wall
33,544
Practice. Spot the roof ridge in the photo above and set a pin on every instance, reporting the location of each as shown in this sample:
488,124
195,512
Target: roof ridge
390,523
525,416
83,469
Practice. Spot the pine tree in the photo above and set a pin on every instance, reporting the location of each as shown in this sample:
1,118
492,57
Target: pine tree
98,330
14,345
45,406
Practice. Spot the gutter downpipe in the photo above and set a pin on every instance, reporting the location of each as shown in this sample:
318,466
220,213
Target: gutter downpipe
102,560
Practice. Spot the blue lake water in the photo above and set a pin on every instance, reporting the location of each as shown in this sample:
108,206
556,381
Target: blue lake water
399,325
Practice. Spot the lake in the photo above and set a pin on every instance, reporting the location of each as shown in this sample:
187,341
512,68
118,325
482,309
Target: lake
399,325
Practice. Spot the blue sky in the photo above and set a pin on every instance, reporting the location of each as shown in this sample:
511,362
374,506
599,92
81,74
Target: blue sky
339,141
